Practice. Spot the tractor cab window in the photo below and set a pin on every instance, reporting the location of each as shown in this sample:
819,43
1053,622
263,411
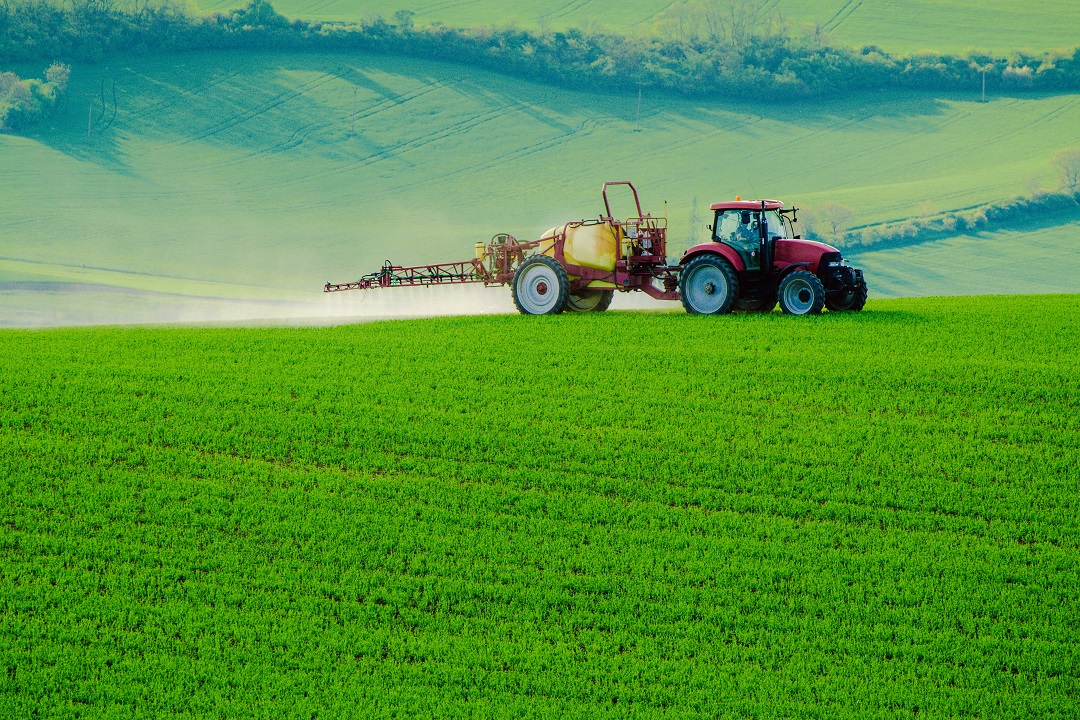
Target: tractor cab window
738,227
779,227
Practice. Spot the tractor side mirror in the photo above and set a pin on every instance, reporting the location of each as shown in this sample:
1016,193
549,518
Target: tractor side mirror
709,227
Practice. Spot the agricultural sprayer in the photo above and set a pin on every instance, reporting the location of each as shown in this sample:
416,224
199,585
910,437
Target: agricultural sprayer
753,259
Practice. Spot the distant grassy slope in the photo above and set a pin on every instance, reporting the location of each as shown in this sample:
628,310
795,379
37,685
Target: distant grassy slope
628,515
242,170
1012,261
896,25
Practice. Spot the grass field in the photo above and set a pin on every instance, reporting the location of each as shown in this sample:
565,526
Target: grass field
896,25
260,176
854,516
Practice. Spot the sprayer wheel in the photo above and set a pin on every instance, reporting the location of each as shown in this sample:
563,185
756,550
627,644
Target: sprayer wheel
590,301
540,286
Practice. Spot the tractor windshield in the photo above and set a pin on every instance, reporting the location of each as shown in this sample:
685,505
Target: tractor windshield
779,227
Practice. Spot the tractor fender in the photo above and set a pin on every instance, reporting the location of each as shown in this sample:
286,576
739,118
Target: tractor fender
725,251
786,269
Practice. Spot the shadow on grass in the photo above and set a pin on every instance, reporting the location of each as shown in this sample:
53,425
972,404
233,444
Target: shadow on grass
259,101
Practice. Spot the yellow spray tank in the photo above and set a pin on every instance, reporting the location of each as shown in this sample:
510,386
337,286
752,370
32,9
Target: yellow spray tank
595,246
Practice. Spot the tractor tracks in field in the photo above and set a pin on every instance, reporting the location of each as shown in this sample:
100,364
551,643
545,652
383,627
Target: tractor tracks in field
177,94
841,15
567,9
458,128
584,130
261,109
301,134
246,115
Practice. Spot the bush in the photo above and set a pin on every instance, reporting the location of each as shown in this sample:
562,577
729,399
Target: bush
26,101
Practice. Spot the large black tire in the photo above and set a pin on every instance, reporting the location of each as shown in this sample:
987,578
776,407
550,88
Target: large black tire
851,301
540,286
590,301
757,305
708,285
801,293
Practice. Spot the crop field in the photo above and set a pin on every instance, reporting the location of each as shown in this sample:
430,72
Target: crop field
260,176
896,25
848,516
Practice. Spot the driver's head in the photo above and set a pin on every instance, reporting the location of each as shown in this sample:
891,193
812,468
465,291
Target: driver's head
745,217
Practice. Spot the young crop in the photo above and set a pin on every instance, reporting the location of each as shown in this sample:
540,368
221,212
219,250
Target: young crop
626,515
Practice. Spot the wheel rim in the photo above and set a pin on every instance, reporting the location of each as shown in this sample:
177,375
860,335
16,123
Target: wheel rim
706,289
798,296
538,289
843,302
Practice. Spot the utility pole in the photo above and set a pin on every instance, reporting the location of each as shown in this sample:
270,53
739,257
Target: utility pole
637,122
352,132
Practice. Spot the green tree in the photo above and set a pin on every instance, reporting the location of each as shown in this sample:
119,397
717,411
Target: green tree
1067,164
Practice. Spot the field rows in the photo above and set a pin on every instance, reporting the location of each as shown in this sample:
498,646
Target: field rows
847,516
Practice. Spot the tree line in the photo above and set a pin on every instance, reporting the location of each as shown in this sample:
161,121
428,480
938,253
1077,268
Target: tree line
749,54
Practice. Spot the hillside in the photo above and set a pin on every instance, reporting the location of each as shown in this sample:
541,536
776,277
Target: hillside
855,516
1039,259
896,25
258,176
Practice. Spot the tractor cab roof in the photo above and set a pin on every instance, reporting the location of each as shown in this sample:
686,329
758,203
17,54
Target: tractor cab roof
740,204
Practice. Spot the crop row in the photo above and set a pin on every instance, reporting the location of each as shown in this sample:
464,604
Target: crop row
622,516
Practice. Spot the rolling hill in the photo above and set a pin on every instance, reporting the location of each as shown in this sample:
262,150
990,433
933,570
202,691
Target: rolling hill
258,176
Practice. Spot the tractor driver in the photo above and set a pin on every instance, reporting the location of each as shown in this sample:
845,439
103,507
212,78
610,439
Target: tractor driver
746,232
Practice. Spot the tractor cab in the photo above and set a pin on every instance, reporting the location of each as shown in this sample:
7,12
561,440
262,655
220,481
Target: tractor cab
749,230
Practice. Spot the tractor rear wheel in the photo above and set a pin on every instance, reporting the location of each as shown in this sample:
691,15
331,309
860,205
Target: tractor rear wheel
540,286
801,293
708,285
590,301
851,301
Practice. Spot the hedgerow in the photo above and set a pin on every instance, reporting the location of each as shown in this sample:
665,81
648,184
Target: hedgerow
767,62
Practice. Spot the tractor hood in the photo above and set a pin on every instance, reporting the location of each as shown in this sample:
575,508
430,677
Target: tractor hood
788,252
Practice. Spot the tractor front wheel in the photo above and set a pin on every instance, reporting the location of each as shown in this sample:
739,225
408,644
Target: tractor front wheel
852,300
801,293
540,286
708,285
590,301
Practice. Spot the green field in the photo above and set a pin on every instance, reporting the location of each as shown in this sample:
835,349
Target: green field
896,25
258,176
850,516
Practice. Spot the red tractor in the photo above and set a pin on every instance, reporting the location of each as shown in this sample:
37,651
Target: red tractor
753,259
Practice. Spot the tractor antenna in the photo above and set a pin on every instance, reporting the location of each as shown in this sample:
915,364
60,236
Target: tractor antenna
752,188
